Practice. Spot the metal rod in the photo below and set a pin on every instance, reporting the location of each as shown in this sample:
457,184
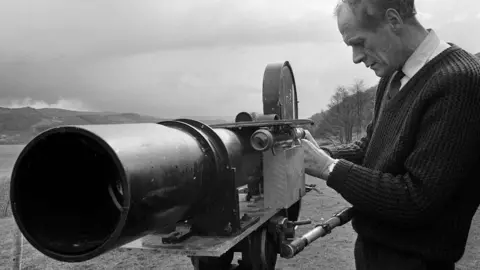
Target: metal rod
289,250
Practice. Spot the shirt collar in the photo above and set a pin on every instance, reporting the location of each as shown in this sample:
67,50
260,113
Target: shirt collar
422,54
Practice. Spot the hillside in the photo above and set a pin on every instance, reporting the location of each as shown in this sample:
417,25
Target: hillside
18,126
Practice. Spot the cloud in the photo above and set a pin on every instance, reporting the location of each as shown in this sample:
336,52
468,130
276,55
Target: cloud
66,104
59,29
424,16
173,58
459,17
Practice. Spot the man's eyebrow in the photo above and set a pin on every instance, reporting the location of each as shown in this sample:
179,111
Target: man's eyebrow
353,41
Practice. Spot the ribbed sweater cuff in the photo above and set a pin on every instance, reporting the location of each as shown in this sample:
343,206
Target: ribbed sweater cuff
352,153
328,150
339,175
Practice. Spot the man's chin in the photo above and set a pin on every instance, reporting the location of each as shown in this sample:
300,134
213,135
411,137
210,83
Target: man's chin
379,72
382,71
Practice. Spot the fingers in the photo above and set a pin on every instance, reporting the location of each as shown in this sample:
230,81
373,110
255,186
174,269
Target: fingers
308,143
310,138
308,135
312,145
310,148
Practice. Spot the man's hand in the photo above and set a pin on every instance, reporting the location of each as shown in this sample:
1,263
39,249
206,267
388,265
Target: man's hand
317,161
309,137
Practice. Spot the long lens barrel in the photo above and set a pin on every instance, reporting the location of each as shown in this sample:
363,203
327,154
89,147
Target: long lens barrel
79,191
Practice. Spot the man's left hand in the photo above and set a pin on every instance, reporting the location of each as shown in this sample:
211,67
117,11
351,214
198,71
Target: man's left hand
317,161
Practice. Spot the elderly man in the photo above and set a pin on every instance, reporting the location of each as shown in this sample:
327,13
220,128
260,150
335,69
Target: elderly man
414,178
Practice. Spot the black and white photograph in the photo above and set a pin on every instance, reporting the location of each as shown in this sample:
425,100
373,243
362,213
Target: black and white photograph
240,135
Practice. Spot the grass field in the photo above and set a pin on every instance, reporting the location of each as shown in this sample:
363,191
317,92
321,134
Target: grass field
8,154
335,251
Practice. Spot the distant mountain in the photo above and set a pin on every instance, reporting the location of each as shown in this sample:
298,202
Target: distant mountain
18,126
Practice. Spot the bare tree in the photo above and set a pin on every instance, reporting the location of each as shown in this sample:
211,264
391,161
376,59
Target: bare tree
349,111
340,116
357,90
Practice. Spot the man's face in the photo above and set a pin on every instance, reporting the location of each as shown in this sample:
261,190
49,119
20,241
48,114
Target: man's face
380,49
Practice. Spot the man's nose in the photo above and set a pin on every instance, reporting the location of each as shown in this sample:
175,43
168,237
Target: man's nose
358,55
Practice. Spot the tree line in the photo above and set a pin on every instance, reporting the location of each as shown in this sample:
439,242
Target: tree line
347,116
349,111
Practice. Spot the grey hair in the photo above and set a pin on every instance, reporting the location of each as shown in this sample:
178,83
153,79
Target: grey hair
371,13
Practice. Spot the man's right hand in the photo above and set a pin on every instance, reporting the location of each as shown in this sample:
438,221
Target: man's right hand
309,137
317,161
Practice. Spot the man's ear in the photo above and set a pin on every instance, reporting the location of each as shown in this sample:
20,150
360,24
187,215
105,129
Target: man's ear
393,19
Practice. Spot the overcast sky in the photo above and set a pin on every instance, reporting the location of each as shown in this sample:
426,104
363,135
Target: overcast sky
186,57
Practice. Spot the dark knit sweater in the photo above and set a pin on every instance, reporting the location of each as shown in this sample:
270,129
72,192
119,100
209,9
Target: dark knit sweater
414,179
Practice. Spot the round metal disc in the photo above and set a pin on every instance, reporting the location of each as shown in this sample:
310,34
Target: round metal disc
280,91
280,97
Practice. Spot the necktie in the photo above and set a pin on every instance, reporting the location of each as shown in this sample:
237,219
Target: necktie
395,84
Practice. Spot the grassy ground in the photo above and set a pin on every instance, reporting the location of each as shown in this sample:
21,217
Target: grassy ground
8,154
335,251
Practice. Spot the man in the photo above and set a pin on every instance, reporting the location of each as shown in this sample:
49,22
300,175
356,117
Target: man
413,179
